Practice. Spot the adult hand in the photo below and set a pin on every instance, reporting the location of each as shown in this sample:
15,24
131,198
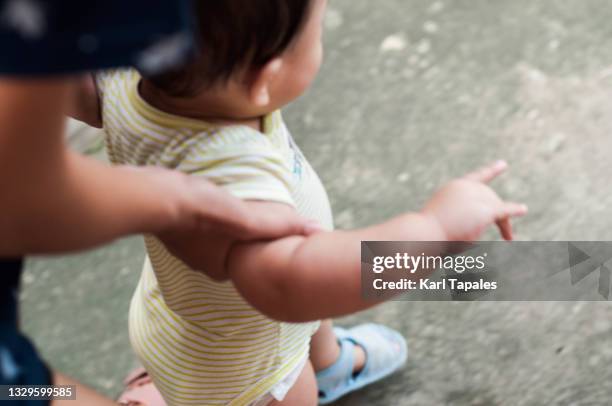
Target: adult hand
200,210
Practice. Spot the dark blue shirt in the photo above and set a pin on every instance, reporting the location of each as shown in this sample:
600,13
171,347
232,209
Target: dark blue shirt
40,37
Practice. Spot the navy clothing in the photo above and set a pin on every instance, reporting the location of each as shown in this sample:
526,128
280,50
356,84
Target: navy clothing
10,273
41,37
19,361
48,37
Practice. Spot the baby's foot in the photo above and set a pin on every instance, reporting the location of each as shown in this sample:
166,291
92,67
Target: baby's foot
368,353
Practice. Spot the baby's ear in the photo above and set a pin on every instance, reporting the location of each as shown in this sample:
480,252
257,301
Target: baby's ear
261,83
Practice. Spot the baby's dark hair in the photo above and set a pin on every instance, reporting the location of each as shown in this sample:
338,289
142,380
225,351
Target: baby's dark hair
234,35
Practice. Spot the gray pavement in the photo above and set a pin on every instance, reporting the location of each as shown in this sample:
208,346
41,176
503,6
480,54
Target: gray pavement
412,93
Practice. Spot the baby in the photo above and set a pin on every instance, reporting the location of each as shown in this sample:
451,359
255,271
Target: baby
245,329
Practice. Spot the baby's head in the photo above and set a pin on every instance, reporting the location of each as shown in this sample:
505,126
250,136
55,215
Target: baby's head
254,56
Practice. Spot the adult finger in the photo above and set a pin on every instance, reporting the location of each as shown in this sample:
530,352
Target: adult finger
268,224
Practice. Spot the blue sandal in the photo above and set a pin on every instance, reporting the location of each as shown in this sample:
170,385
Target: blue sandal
386,352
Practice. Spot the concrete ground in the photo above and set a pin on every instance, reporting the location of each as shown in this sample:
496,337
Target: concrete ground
414,92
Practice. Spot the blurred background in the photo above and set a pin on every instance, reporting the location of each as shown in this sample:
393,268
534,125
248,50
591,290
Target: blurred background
414,93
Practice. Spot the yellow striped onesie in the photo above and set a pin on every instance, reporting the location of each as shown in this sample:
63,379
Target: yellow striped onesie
200,341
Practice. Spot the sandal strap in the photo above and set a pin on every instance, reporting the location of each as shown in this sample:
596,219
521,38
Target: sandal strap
377,342
339,372
385,350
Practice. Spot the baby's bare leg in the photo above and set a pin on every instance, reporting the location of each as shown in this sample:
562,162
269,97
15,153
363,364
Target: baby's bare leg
304,392
325,350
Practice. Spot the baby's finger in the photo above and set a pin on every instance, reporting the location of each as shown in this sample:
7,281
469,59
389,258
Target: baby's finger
488,173
511,209
505,228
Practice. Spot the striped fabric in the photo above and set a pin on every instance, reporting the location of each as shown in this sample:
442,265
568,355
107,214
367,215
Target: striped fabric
200,341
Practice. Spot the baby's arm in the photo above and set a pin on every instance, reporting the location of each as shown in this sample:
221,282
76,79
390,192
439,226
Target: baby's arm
299,279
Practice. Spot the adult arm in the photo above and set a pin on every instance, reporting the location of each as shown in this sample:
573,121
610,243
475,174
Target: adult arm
54,200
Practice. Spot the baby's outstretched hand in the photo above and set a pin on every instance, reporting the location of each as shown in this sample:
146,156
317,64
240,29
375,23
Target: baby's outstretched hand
465,207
